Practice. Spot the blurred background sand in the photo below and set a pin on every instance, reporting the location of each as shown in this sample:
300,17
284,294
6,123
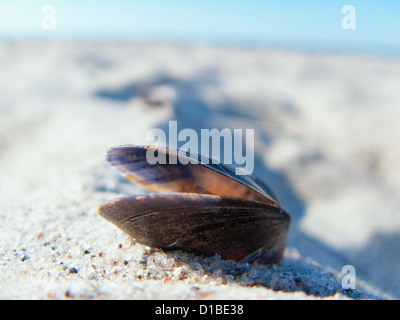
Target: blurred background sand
326,140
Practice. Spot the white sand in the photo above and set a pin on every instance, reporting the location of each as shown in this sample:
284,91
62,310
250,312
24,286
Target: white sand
327,133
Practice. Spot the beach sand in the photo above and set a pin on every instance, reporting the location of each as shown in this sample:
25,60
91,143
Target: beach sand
326,141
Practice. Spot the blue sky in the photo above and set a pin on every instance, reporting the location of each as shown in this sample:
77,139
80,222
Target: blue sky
314,23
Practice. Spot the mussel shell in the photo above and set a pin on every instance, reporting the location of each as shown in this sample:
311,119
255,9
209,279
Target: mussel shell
207,209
